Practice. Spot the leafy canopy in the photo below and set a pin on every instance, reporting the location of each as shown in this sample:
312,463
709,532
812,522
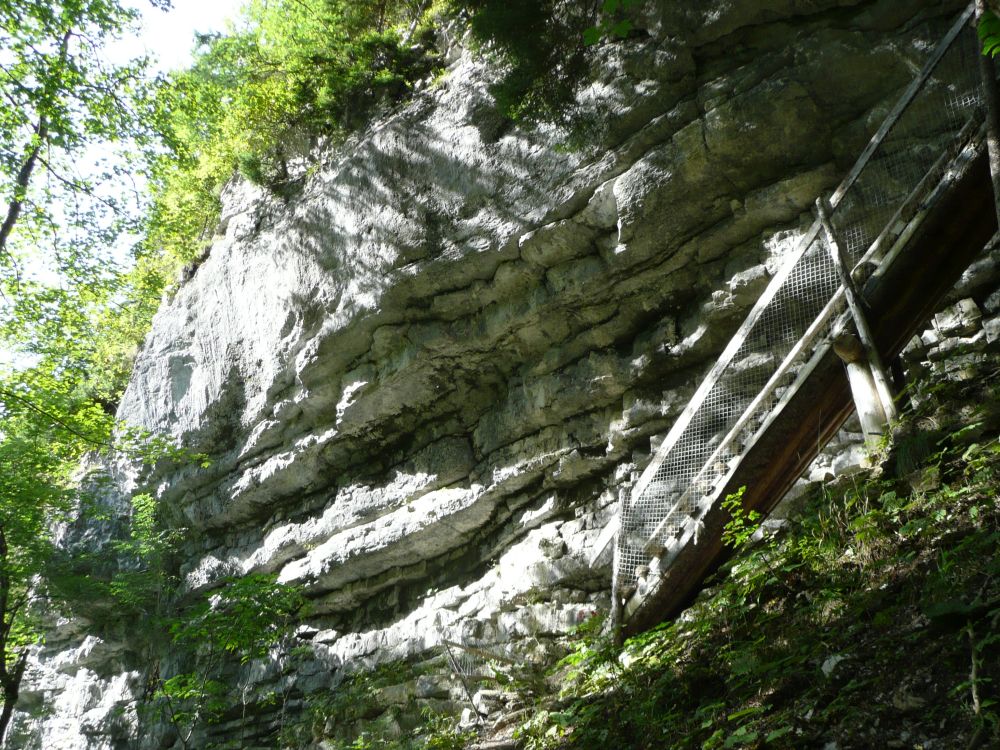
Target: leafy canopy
289,71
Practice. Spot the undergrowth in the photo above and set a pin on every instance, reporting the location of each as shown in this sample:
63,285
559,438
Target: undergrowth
870,619
356,716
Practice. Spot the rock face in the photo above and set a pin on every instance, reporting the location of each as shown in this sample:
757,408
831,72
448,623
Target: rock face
426,377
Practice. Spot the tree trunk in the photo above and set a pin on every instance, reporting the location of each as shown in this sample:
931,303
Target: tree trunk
8,711
991,94
23,179
11,689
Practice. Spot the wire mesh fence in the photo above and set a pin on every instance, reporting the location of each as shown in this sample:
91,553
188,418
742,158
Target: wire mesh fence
486,669
796,312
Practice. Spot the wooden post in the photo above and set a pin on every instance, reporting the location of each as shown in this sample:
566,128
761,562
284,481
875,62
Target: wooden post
988,74
878,370
615,616
859,375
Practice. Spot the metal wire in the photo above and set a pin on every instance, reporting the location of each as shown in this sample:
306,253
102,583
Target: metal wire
662,514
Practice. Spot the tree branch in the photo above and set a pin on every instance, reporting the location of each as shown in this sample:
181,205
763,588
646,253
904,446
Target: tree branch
77,186
32,406
23,178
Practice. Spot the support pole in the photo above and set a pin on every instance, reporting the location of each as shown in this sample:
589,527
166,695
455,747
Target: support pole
988,74
615,616
859,375
865,335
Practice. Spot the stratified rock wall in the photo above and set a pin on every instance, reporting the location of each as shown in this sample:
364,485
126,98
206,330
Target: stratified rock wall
426,377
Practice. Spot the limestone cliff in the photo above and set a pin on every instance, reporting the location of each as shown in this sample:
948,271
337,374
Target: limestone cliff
425,376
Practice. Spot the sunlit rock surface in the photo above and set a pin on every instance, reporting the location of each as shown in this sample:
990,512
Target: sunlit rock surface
425,377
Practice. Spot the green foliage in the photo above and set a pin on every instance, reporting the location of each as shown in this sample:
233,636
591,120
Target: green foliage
435,732
615,22
33,491
60,97
543,46
853,576
350,716
65,298
742,525
143,583
989,33
43,420
593,655
193,699
291,69
441,732
357,697
243,621
543,50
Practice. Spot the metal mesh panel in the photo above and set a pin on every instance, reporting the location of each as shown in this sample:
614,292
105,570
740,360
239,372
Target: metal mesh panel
800,306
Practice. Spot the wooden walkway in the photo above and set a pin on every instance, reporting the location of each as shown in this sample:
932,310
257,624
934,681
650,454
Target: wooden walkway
779,392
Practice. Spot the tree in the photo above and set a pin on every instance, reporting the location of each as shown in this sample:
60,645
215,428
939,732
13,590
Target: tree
62,106
34,492
71,128
243,620
61,98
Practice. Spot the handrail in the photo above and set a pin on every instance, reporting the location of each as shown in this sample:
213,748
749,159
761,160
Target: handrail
667,552
710,470
904,101
725,359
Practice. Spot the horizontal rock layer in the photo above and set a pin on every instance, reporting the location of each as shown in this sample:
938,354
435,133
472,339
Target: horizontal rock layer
426,377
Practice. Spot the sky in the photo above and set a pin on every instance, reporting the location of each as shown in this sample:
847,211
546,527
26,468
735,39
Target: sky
168,37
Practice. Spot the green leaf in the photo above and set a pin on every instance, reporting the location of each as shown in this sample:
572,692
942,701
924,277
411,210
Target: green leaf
747,712
742,736
778,733
591,36
622,28
989,33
